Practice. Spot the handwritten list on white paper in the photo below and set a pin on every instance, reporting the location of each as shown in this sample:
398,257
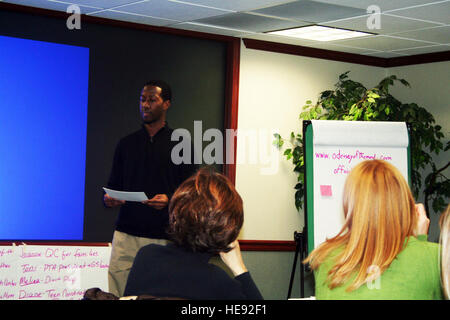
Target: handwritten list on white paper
40,272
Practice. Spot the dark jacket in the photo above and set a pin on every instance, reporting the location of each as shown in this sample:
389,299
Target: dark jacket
172,271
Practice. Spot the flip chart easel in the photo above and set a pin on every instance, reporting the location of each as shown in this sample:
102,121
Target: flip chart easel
331,149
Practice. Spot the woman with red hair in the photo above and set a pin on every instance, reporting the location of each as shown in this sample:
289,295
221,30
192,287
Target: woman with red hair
381,251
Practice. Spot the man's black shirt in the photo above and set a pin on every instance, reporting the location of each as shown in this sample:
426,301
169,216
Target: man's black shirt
143,163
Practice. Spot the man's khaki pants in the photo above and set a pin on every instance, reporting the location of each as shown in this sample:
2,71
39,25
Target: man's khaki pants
124,250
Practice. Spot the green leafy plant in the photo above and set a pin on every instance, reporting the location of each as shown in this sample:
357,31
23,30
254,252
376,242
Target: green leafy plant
351,101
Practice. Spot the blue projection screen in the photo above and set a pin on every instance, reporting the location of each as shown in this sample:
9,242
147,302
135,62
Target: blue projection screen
43,124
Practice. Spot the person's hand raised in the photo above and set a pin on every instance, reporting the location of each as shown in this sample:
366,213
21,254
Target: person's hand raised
423,223
233,259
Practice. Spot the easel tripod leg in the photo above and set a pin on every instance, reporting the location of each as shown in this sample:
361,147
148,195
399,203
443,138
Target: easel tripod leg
293,270
298,237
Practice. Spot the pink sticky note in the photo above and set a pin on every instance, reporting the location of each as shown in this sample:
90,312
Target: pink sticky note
325,190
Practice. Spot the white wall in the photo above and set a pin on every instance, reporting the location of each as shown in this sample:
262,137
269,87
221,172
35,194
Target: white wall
273,88
430,88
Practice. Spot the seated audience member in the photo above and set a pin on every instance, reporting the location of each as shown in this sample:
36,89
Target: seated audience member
205,217
99,294
382,250
444,240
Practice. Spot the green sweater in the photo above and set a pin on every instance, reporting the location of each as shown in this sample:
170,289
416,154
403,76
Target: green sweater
413,275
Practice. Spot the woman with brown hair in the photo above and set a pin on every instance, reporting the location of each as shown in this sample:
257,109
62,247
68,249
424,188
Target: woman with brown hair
381,251
205,217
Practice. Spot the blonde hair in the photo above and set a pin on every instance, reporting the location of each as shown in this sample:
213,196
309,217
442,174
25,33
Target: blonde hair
444,241
380,214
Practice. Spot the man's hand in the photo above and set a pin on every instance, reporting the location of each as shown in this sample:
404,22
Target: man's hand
423,223
111,202
160,201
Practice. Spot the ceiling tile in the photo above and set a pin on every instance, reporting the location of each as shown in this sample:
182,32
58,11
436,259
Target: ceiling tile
438,12
250,22
105,4
314,12
136,18
422,50
51,5
281,39
236,5
386,54
384,5
439,35
406,26
381,43
170,10
209,29
388,24
307,43
336,47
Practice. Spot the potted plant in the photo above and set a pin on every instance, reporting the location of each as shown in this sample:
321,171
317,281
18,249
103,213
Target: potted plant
351,101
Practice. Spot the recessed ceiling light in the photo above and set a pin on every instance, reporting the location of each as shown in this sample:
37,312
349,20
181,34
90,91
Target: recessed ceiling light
319,33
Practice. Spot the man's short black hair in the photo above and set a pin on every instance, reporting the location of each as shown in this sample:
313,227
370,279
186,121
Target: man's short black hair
166,91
